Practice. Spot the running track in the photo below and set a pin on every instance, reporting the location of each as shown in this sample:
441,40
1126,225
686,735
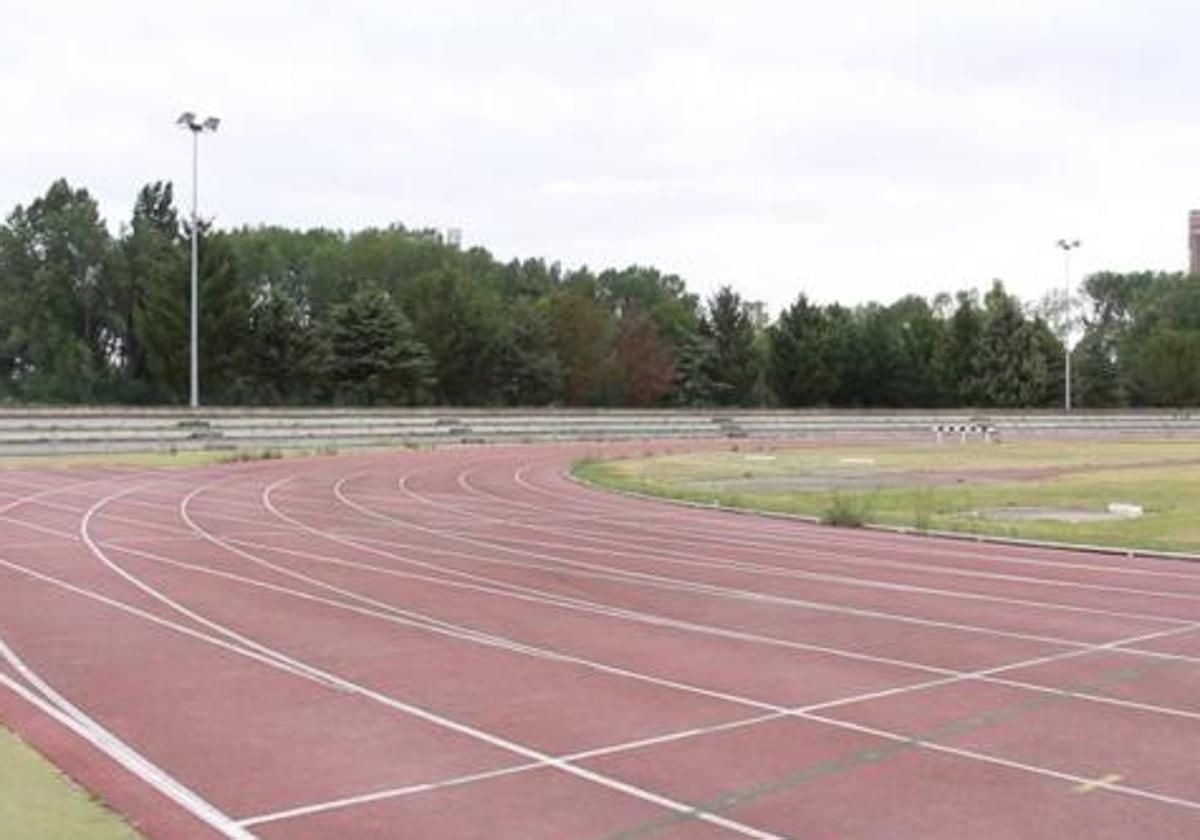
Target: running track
466,644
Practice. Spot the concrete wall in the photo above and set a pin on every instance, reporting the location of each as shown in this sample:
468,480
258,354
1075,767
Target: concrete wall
57,430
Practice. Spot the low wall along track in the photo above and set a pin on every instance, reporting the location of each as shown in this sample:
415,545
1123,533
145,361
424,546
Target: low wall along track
48,430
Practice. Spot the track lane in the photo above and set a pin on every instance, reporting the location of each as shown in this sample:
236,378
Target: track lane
280,543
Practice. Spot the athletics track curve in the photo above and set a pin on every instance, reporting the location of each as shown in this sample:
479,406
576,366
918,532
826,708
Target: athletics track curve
464,643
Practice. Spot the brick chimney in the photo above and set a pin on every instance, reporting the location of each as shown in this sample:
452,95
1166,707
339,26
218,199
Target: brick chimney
1194,242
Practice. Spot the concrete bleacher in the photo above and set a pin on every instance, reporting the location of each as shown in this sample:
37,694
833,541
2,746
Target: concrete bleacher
59,430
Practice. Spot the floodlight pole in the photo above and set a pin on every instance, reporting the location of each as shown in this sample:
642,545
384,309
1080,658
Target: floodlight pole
1067,246
194,377
188,120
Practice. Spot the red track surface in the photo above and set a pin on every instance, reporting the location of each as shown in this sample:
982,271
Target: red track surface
464,643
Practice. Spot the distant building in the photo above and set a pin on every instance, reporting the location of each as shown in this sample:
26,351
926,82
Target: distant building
759,316
1194,242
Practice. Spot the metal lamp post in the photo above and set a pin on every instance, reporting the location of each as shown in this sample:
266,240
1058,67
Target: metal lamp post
1067,246
189,121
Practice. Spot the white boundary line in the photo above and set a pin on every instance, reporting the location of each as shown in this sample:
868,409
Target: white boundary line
298,666
775,711
86,727
800,545
57,707
277,663
365,543
288,664
782,525
932,536
809,713
522,593
808,710
803,552
583,569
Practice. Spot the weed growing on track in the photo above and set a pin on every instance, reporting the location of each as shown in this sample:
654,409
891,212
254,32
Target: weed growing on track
847,510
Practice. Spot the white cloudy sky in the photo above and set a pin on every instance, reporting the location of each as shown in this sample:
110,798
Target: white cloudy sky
852,150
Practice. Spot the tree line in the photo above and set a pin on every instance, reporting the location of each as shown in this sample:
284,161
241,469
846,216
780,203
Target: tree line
391,316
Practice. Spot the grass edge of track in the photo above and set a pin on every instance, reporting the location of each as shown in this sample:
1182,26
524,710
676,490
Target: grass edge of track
861,507
37,800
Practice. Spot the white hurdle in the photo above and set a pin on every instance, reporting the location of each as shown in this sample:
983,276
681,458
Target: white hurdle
986,431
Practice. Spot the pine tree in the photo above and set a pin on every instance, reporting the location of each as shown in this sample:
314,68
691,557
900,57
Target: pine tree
152,257
530,371
373,354
733,363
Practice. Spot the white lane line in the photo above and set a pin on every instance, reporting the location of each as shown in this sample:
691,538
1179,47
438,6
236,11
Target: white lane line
762,570
380,796
34,526
158,621
788,531
993,759
365,544
64,712
793,536
56,706
988,758
799,548
950,676
35,546
156,594
774,571
190,538
658,621
510,770
775,711
277,659
579,568
111,517
39,498
322,676
520,592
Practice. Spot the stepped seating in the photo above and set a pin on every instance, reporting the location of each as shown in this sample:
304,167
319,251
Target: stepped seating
46,430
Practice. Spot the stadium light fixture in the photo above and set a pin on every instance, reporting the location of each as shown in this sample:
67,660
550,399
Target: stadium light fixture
1067,246
189,121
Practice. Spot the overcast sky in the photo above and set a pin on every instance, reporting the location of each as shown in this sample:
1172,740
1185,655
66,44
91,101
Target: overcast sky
850,150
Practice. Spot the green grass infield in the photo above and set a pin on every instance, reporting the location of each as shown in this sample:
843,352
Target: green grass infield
1059,490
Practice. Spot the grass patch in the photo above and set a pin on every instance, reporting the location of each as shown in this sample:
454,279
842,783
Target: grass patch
924,507
951,487
37,801
166,458
163,459
243,455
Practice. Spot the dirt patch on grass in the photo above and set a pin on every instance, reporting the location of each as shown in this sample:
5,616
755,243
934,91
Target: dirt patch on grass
860,477
866,479
1046,514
